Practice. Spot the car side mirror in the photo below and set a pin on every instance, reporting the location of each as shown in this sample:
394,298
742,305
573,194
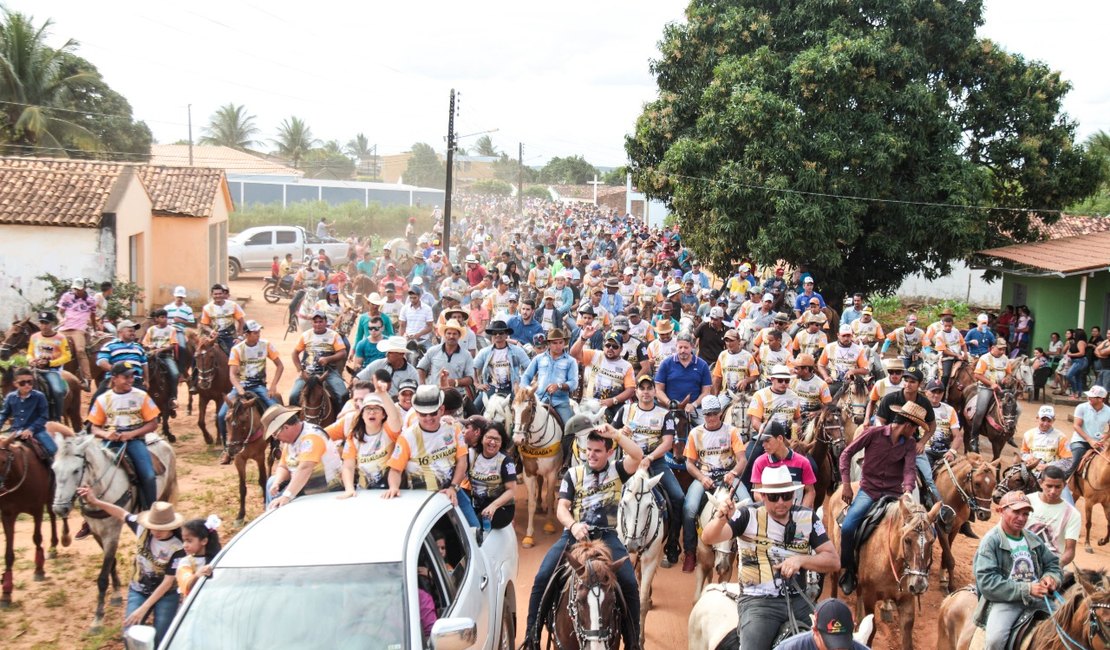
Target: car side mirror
453,633
139,637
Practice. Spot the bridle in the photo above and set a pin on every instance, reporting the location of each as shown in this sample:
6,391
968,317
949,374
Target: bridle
527,418
634,539
318,412
1007,405
235,446
206,372
9,345
1028,481
980,506
5,491
857,409
597,591
918,524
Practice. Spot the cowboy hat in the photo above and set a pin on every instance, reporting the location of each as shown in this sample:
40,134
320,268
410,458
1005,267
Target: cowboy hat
276,416
393,344
375,299
498,327
777,480
815,318
780,371
556,334
912,411
161,516
428,399
894,363
453,324
664,326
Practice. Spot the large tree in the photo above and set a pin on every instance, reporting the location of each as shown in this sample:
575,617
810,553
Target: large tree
230,126
425,169
572,170
483,146
92,105
864,140
294,140
360,147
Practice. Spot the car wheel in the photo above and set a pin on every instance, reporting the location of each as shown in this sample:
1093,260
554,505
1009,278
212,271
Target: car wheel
507,640
233,269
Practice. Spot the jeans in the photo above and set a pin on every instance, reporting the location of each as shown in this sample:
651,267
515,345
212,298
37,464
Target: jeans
1078,450
59,388
926,470
1077,375
982,403
144,468
334,385
856,512
674,496
47,442
1000,621
691,508
563,409
626,578
761,618
946,371
221,422
172,371
163,610
467,508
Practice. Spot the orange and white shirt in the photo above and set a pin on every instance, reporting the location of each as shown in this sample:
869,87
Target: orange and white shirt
761,338
658,349
250,361
123,411
371,455
1045,447
159,337
951,341
813,392
605,377
714,452
314,445
884,387
907,343
315,345
839,360
221,317
806,343
769,358
540,278
994,368
768,405
428,457
734,368
867,333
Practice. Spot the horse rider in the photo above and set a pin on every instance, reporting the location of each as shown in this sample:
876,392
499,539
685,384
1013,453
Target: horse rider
981,339
812,391
247,371
778,542
323,350
771,355
907,341
556,375
683,377
852,312
159,342
1015,571
447,364
866,330
990,371
714,457
393,368
222,318
310,461
651,426
587,508
842,360
812,339
26,409
895,370
663,346
48,352
771,450
764,316
608,377
77,311
180,314
122,348
432,454
779,324
123,416
931,331
499,365
888,464
415,321
1091,421
803,299
952,348
735,370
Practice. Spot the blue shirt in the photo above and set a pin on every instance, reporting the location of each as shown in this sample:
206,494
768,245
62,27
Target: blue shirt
979,342
548,371
701,280
683,381
802,301
28,413
368,351
1094,422
116,350
850,315
612,302
524,332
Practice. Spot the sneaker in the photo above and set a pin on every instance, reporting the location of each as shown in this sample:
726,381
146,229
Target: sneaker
847,582
84,532
666,563
225,458
966,531
689,563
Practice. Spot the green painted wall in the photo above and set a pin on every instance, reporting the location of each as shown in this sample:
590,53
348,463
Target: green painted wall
1055,302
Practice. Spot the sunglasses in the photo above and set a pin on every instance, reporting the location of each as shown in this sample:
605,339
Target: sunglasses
612,346
895,372
778,496
374,329
779,381
25,382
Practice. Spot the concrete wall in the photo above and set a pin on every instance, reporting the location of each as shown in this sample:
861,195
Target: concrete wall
179,247
31,251
963,284
1055,302
132,207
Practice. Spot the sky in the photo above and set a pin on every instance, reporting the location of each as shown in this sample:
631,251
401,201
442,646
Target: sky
564,78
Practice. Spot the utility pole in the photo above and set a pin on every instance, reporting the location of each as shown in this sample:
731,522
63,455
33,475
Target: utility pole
190,109
447,185
520,179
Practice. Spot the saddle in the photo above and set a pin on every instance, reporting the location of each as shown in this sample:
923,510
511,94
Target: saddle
993,416
550,601
159,468
1081,471
870,522
40,451
1021,633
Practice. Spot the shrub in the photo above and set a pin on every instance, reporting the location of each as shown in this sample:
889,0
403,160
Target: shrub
119,303
537,192
351,218
490,187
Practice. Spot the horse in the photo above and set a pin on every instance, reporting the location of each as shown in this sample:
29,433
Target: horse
316,404
537,435
852,401
715,560
69,410
966,486
19,334
26,487
83,461
930,366
955,397
499,408
346,321
1080,620
158,386
1022,476
903,539
213,380
306,308
736,415
589,612
676,458
714,618
999,423
823,440
245,443
184,356
361,287
1092,482
640,528
875,360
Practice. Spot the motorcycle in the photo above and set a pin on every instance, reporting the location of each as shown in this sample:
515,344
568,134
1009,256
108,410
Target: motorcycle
274,290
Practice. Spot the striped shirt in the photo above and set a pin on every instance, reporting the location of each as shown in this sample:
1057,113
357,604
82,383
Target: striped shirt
184,312
116,350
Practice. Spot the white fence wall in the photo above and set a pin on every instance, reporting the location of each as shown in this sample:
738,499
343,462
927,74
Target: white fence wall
963,283
31,251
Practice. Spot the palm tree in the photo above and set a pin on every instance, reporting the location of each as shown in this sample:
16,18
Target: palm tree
294,140
484,147
359,147
230,126
31,84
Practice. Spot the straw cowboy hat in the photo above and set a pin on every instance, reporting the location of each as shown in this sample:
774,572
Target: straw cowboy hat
912,411
161,516
393,344
777,480
276,416
894,363
815,318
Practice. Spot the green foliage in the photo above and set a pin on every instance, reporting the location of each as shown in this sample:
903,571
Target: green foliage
490,187
572,170
484,147
124,293
1098,145
425,169
508,170
327,162
230,126
294,140
352,218
771,114
104,113
14,361
537,192
615,176
961,312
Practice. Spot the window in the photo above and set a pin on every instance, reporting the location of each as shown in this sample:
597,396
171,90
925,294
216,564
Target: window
286,237
446,568
261,239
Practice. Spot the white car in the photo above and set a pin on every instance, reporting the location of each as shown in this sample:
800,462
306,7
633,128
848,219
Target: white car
328,573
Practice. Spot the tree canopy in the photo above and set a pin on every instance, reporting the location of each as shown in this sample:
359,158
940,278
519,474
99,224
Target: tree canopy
230,126
425,169
483,146
572,170
866,141
294,140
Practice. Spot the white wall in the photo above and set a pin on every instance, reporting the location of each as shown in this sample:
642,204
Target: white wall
31,251
963,284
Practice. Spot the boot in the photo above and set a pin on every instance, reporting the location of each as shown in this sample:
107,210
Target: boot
847,581
946,515
84,532
966,531
225,458
689,563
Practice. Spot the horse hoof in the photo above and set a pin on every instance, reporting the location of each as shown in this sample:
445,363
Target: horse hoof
528,542
115,601
549,527
95,628
39,577
1089,549
66,540
52,554
1102,542
238,523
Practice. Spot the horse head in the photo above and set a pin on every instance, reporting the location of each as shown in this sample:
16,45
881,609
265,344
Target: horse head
853,399
208,356
1018,476
524,411
980,484
915,543
637,510
69,469
723,552
16,337
242,420
593,615
1095,586
1008,405
499,408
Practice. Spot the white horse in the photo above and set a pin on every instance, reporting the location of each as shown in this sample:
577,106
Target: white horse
537,435
875,360
747,331
715,617
1022,368
82,460
640,528
930,366
713,559
499,408
307,306
736,415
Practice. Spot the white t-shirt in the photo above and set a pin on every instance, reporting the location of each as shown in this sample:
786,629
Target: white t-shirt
416,319
1055,523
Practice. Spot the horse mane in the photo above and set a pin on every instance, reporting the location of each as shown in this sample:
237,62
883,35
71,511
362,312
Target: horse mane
592,549
1045,635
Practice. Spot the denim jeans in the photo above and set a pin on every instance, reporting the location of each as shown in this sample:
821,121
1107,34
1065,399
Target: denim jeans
761,618
59,388
172,371
626,577
674,497
1000,621
221,422
856,512
46,441
1077,375
926,470
982,404
144,468
332,380
1078,450
467,508
691,508
163,610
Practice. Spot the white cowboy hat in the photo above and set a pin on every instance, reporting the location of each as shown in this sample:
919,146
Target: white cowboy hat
161,516
393,344
780,371
375,299
777,480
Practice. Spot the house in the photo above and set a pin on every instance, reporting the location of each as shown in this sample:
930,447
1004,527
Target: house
154,225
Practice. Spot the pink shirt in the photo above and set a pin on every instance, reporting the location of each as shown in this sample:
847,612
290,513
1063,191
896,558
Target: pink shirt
798,464
77,311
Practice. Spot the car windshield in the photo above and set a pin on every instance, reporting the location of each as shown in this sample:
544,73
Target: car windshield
351,606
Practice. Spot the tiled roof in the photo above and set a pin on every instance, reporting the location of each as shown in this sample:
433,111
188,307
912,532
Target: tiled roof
45,191
188,191
1064,255
1073,226
230,160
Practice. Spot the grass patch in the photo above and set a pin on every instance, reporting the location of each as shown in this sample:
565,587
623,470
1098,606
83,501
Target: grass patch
56,598
107,636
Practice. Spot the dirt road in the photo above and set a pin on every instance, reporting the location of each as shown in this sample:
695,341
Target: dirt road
57,613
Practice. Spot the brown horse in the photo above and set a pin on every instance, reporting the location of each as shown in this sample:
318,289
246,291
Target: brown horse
822,441
1082,615
1000,422
361,288
589,611
899,551
213,380
70,409
1092,482
245,443
966,486
955,396
19,334
163,394
183,356
26,487
316,402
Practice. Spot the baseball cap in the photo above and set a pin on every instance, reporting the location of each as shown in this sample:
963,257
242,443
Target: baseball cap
1096,391
1046,411
1015,500
78,283
180,292
711,404
415,291
648,378
775,429
768,297
126,323
124,368
808,280
716,312
982,318
253,326
845,329
834,624
731,335
935,385
47,317
407,384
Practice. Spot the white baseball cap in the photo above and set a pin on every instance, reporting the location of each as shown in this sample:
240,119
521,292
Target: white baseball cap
767,297
716,312
983,318
1096,391
845,329
1045,411
179,292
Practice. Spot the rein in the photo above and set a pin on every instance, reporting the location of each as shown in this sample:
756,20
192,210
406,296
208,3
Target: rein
533,407
1094,624
235,446
637,534
585,635
7,468
973,502
908,570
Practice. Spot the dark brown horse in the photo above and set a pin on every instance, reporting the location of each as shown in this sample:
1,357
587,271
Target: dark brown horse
213,380
823,440
19,334
316,402
1000,421
26,487
245,443
361,288
588,613
159,388
965,485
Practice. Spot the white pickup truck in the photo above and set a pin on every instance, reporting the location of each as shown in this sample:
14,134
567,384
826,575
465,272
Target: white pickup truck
254,248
